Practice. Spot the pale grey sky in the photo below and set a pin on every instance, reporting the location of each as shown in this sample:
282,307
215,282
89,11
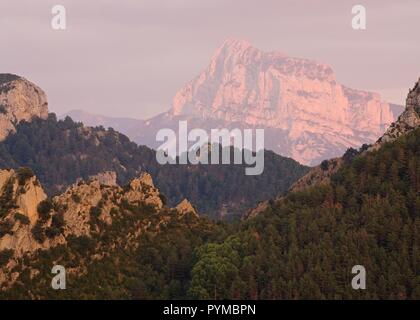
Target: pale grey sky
128,58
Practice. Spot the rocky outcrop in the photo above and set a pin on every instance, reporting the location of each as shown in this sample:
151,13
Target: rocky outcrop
20,100
20,195
27,201
83,199
81,206
77,202
185,207
142,189
21,192
407,121
5,176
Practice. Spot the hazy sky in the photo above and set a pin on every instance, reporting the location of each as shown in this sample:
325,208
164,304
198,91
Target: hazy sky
129,57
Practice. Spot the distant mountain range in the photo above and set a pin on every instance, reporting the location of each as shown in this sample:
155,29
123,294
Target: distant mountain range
127,126
306,114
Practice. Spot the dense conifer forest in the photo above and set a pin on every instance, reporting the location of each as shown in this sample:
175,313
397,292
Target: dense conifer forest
302,247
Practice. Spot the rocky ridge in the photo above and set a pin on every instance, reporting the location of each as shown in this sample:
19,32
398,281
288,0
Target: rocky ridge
30,221
407,121
185,207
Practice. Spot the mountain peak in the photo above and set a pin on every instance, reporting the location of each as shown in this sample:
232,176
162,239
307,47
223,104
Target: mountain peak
310,115
233,52
235,44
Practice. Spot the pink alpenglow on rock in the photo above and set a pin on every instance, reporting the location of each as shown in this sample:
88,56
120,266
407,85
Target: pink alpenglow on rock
312,116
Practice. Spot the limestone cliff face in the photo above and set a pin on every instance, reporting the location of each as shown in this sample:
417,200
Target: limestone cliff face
306,113
5,176
25,194
78,200
28,201
142,189
24,229
20,195
20,100
407,121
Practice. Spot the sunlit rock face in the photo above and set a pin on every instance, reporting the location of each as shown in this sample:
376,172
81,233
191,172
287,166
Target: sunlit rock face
408,121
309,116
21,197
18,196
20,100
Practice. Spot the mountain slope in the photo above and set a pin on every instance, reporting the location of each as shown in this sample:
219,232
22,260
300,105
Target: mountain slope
408,121
305,245
361,209
307,115
61,152
124,242
301,247
95,229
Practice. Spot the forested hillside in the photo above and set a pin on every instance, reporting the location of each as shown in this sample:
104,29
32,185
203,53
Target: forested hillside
60,152
144,254
302,247
305,245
